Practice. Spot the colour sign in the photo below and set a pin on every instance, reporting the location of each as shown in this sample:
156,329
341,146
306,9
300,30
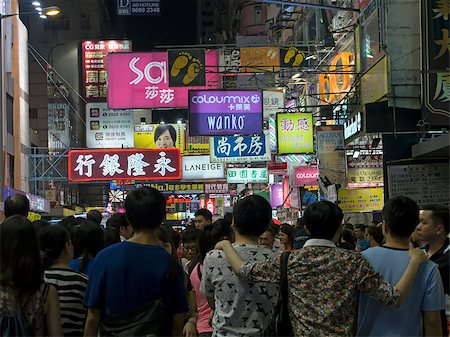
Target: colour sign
159,136
305,175
247,175
200,167
361,199
295,133
93,64
233,149
108,128
213,112
141,80
109,164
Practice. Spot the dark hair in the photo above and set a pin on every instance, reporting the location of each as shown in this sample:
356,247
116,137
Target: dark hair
39,225
322,219
300,223
360,226
91,242
440,215
161,128
271,229
94,216
401,215
289,231
77,241
110,236
16,205
69,222
252,215
176,237
204,213
376,233
348,226
347,236
229,217
211,234
53,240
189,235
20,260
146,208
117,220
165,237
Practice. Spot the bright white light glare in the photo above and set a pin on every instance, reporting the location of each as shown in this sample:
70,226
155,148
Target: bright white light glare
271,179
36,3
179,121
356,154
296,76
39,9
162,122
42,16
311,57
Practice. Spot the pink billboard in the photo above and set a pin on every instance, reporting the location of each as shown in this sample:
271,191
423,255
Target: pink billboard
306,175
141,80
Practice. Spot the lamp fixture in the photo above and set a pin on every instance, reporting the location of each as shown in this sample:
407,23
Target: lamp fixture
297,75
51,11
46,11
36,3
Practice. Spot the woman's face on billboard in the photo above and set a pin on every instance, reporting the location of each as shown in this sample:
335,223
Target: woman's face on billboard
164,140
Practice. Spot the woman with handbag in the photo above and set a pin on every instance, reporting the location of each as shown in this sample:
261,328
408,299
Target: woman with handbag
28,306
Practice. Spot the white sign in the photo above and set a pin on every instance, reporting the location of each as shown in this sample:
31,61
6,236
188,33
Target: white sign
273,102
200,167
247,175
108,128
352,126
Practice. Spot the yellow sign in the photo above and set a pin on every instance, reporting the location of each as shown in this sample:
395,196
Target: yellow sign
361,199
374,83
365,175
260,59
159,136
33,216
295,133
196,149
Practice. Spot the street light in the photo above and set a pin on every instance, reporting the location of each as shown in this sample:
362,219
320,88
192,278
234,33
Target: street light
47,11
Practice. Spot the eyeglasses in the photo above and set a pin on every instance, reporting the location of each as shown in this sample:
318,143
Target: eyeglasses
192,248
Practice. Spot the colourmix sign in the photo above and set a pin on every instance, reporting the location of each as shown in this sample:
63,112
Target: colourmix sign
213,112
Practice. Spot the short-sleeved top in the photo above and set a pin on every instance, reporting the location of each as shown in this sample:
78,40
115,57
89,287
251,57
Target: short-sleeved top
203,309
363,244
127,275
322,284
71,287
442,259
75,265
242,308
426,294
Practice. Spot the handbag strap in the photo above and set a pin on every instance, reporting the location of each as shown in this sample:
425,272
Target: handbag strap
283,277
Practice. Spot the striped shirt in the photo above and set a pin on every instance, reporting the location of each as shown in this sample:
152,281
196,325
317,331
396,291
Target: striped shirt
71,286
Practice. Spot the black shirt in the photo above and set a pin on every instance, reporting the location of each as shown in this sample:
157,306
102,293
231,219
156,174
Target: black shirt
441,258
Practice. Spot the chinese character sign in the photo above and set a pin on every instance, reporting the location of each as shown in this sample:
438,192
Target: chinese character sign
155,136
295,133
273,102
240,148
141,80
361,199
213,112
136,164
260,59
436,56
247,175
93,63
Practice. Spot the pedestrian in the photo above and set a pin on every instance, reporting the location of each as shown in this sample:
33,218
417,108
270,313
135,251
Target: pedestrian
16,205
120,223
286,235
94,216
203,217
374,236
322,279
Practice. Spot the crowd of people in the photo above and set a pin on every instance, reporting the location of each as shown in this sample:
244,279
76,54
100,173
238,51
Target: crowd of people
138,276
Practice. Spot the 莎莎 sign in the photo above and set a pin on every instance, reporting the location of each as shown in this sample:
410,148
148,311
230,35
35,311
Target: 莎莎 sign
221,112
136,164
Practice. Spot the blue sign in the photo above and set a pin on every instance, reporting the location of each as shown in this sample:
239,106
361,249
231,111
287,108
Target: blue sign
240,148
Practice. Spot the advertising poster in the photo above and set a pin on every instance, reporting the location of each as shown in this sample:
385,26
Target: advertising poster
303,175
221,112
139,7
141,80
273,102
159,136
186,67
365,177
295,133
332,165
200,167
260,59
234,149
108,128
361,199
93,66
58,126
291,57
113,164
276,195
229,60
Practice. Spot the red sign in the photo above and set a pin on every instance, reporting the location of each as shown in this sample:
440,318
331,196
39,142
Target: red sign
93,63
210,205
113,164
306,175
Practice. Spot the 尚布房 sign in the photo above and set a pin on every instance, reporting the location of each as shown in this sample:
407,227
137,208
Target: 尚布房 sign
232,149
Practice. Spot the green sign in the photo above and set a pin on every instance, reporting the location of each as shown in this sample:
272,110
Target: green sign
247,175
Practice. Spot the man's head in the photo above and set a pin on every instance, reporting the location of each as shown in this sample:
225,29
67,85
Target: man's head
94,216
323,220
17,205
433,223
120,223
252,215
267,238
203,217
360,231
145,208
401,216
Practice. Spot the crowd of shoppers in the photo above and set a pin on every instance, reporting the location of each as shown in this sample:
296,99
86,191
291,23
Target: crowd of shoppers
78,278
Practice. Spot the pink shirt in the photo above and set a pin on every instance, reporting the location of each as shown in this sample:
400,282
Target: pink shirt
203,309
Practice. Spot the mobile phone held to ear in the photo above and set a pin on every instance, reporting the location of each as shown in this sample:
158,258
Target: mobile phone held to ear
415,244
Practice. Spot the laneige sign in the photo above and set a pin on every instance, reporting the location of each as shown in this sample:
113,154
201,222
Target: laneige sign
200,167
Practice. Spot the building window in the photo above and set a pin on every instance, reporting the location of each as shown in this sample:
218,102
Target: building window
371,48
258,15
9,114
11,170
85,22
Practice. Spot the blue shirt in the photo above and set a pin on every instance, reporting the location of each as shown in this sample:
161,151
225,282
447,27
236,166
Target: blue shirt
75,265
363,244
426,294
127,275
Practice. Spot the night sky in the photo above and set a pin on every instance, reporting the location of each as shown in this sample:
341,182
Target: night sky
175,26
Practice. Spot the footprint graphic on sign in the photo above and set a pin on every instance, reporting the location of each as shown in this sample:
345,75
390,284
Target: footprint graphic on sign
184,60
294,53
